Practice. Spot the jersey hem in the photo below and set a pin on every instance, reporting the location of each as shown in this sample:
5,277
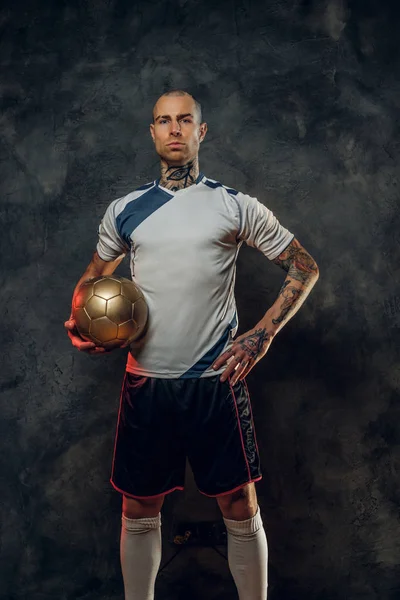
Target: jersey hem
171,374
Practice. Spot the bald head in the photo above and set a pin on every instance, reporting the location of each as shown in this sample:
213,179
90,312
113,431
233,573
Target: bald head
177,118
196,105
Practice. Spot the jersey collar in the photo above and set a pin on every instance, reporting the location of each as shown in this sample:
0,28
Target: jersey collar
199,178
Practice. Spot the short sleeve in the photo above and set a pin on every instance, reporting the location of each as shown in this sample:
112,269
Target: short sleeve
110,244
260,228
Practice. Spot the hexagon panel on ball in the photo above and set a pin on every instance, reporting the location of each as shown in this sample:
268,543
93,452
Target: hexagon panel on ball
96,307
107,287
127,331
119,309
103,330
130,290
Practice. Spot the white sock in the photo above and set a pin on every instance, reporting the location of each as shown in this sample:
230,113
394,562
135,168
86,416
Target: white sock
248,557
140,556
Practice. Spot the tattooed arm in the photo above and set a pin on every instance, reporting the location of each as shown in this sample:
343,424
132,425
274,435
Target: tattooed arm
248,349
302,275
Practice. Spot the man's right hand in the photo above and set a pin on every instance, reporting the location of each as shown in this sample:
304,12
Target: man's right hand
80,343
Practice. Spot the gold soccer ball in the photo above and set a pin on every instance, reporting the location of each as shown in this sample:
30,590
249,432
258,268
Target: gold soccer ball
109,311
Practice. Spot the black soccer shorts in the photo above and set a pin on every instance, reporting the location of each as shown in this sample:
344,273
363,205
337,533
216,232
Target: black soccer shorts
163,421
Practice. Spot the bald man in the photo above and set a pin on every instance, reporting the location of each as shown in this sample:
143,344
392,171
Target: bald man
184,392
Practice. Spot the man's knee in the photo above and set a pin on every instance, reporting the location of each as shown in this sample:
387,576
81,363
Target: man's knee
239,505
139,508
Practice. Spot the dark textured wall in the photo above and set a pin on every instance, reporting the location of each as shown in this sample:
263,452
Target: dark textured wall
302,100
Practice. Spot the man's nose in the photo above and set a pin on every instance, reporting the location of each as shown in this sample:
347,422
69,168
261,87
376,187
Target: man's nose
176,128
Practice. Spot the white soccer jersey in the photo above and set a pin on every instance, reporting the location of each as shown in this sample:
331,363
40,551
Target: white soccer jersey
183,247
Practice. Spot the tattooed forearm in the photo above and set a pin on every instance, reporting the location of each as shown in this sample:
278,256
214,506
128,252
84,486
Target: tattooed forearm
254,343
302,274
297,262
290,294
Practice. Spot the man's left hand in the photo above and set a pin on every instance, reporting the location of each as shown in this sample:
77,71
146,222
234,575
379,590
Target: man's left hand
246,351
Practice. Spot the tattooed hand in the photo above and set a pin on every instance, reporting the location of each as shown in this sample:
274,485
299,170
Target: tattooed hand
246,351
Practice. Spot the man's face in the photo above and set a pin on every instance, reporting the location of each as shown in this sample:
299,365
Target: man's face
175,121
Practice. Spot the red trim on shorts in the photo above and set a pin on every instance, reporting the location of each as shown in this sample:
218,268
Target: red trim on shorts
119,416
178,487
231,491
240,430
251,412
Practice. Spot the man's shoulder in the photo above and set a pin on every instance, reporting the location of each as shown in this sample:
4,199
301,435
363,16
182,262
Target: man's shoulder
214,184
119,204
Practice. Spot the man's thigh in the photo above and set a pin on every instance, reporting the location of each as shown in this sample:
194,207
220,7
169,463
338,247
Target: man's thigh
149,457
221,442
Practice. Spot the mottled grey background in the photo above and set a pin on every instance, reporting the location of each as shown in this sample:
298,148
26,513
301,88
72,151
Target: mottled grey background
302,101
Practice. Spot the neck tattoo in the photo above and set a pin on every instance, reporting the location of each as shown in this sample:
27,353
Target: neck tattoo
179,177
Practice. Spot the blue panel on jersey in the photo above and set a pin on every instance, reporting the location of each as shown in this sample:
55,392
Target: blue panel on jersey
216,184
207,360
213,184
137,211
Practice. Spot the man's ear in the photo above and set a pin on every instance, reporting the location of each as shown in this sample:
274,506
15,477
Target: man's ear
152,131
